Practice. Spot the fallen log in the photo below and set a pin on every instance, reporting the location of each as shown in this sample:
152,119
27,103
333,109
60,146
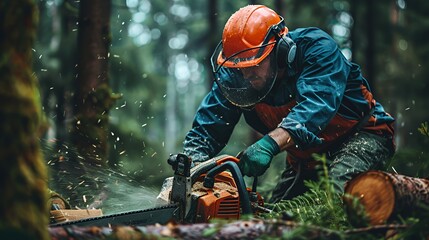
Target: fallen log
234,230
240,229
385,195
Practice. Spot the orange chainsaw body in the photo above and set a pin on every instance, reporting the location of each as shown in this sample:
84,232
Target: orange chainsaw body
220,202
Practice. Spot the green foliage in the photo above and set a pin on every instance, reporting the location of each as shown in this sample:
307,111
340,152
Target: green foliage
315,207
418,225
320,206
355,211
423,129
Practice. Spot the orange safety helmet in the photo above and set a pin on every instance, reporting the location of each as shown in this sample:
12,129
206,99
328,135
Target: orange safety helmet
249,36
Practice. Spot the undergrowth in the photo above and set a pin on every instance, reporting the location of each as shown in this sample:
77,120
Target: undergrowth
319,209
320,205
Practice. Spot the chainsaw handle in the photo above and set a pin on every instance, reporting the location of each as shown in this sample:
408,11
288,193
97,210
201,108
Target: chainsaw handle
227,158
206,166
239,181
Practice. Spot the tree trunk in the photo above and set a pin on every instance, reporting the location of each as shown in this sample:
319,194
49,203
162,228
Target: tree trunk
93,99
384,195
93,96
353,30
370,47
23,207
212,41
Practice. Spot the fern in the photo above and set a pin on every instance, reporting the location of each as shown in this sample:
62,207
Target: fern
320,205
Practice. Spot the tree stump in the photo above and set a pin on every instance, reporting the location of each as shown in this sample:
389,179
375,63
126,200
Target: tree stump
385,195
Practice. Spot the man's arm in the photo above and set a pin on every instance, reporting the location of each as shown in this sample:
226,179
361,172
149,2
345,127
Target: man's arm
282,137
320,88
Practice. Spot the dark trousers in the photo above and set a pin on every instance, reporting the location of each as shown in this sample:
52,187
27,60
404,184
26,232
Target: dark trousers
361,152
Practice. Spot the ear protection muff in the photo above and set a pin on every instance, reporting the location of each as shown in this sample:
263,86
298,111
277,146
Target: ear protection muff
285,49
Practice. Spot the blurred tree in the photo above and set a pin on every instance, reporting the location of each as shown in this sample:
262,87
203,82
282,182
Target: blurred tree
409,84
212,41
93,96
370,25
55,67
23,181
278,6
371,40
387,43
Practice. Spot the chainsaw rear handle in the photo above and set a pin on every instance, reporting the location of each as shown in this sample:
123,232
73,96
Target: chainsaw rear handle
181,165
206,166
239,181
211,163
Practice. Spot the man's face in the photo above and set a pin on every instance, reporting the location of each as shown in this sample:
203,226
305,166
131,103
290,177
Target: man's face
258,75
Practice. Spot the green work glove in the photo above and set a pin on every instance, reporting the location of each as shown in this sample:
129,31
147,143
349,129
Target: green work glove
256,159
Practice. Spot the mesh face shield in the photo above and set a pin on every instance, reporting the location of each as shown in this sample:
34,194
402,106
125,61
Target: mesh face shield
246,86
247,76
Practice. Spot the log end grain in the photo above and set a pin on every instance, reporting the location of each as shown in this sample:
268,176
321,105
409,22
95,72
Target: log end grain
375,193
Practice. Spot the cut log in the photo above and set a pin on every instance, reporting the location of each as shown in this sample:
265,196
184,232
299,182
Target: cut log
64,215
385,195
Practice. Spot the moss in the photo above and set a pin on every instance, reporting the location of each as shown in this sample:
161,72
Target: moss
23,175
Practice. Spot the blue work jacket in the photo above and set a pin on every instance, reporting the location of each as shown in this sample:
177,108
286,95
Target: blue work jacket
320,83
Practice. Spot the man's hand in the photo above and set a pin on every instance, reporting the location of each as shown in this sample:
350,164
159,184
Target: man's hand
257,158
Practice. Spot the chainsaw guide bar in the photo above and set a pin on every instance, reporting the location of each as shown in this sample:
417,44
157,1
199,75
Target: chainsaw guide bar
161,215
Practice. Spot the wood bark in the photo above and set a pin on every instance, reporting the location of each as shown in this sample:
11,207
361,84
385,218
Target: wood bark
241,229
385,195
23,180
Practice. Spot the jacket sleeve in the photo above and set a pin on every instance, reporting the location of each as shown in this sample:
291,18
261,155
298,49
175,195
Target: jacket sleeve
212,127
320,89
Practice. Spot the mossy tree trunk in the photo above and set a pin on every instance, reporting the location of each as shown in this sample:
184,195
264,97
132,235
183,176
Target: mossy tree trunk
23,207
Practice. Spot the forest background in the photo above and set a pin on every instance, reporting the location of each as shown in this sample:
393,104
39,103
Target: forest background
158,72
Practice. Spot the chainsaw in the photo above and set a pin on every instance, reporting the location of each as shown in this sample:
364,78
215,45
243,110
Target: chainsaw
214,189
